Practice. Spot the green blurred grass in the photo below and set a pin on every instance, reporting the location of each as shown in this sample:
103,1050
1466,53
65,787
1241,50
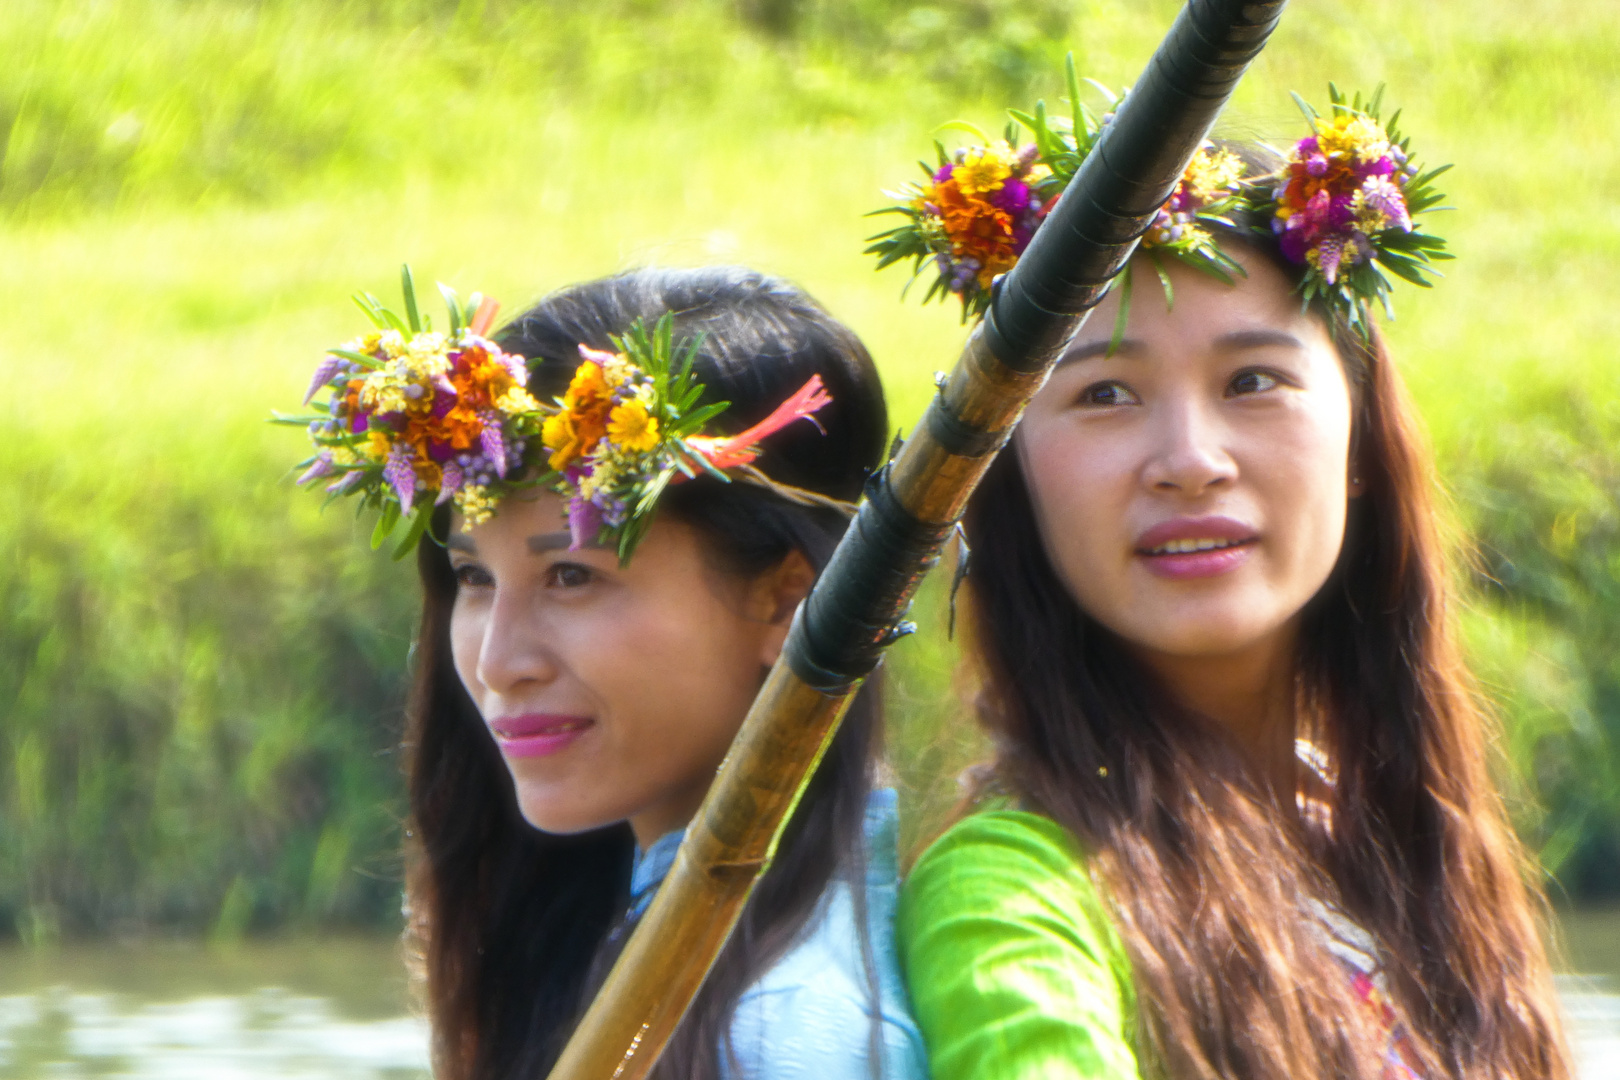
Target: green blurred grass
204,671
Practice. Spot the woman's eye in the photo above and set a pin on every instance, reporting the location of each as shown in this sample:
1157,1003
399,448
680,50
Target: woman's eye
472,576
1251,382
1108,393
569,575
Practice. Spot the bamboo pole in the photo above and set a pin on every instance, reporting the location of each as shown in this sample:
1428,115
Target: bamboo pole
911,507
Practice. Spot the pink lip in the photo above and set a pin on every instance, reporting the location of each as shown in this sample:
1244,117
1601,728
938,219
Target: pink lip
538,734
1197,564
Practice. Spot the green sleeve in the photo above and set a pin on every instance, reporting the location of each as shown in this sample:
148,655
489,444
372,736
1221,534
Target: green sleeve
1015,971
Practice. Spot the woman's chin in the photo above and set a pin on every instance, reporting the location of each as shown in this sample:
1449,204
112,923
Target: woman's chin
1200,632
561,817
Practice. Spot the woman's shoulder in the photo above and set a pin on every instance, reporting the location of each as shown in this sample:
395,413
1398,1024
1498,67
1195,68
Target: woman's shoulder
1014,967
1000,853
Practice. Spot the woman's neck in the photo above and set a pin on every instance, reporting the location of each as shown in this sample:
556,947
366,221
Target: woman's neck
1252,695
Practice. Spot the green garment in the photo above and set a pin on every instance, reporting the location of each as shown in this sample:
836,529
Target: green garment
1015,971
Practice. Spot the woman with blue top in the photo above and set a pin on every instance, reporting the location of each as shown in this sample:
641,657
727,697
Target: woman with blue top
625,509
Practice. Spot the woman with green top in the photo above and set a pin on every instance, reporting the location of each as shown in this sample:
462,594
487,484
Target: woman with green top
1240,822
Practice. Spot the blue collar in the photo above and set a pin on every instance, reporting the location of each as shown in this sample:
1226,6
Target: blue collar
650,868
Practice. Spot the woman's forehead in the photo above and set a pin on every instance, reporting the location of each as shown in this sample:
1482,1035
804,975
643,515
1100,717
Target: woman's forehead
1198,311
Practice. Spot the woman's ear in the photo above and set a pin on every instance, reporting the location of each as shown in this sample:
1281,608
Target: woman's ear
774,596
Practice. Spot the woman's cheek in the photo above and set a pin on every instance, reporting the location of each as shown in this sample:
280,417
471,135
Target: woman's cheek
466,636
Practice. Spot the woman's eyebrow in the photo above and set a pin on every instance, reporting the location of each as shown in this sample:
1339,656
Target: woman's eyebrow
551,541
1098,347
1258,339
462,543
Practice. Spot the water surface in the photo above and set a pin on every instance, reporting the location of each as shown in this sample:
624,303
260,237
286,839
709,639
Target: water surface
331,1009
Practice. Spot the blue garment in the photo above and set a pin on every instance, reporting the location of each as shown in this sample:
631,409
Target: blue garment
808,1017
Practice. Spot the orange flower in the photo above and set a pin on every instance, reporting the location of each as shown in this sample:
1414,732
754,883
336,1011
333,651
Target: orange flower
588,389
977,229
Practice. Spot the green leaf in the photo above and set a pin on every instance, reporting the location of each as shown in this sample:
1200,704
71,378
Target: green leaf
1405,268
359,358
366,303
453,303
419,524
971,129
407,284
1124,315
1305,107
1164,279
385,524
1071,80
699,417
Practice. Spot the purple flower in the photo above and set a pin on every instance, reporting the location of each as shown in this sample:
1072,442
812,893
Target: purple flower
517,368
1342,212
323,375
1316,165
1383,196
349,480
399,473
1291,242
450,484
584,522
493,440
322,467
440,452
1013,197
944,173
1026,158
1329,253
360,422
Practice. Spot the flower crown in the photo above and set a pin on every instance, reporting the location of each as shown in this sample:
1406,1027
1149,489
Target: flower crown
1341,206
416,419
629,425
978,210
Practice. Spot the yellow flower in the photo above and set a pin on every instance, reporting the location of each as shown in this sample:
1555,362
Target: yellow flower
392,343
1360,137
619,370
476,506
1212,173
983,168
377,445
631,428
517,400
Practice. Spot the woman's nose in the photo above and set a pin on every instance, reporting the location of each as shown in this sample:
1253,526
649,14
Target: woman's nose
516,650
1189,454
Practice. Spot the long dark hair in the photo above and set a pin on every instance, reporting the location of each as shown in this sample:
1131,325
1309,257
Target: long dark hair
1207,881
512,926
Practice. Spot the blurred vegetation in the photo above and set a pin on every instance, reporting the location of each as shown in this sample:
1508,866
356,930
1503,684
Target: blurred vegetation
201,673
